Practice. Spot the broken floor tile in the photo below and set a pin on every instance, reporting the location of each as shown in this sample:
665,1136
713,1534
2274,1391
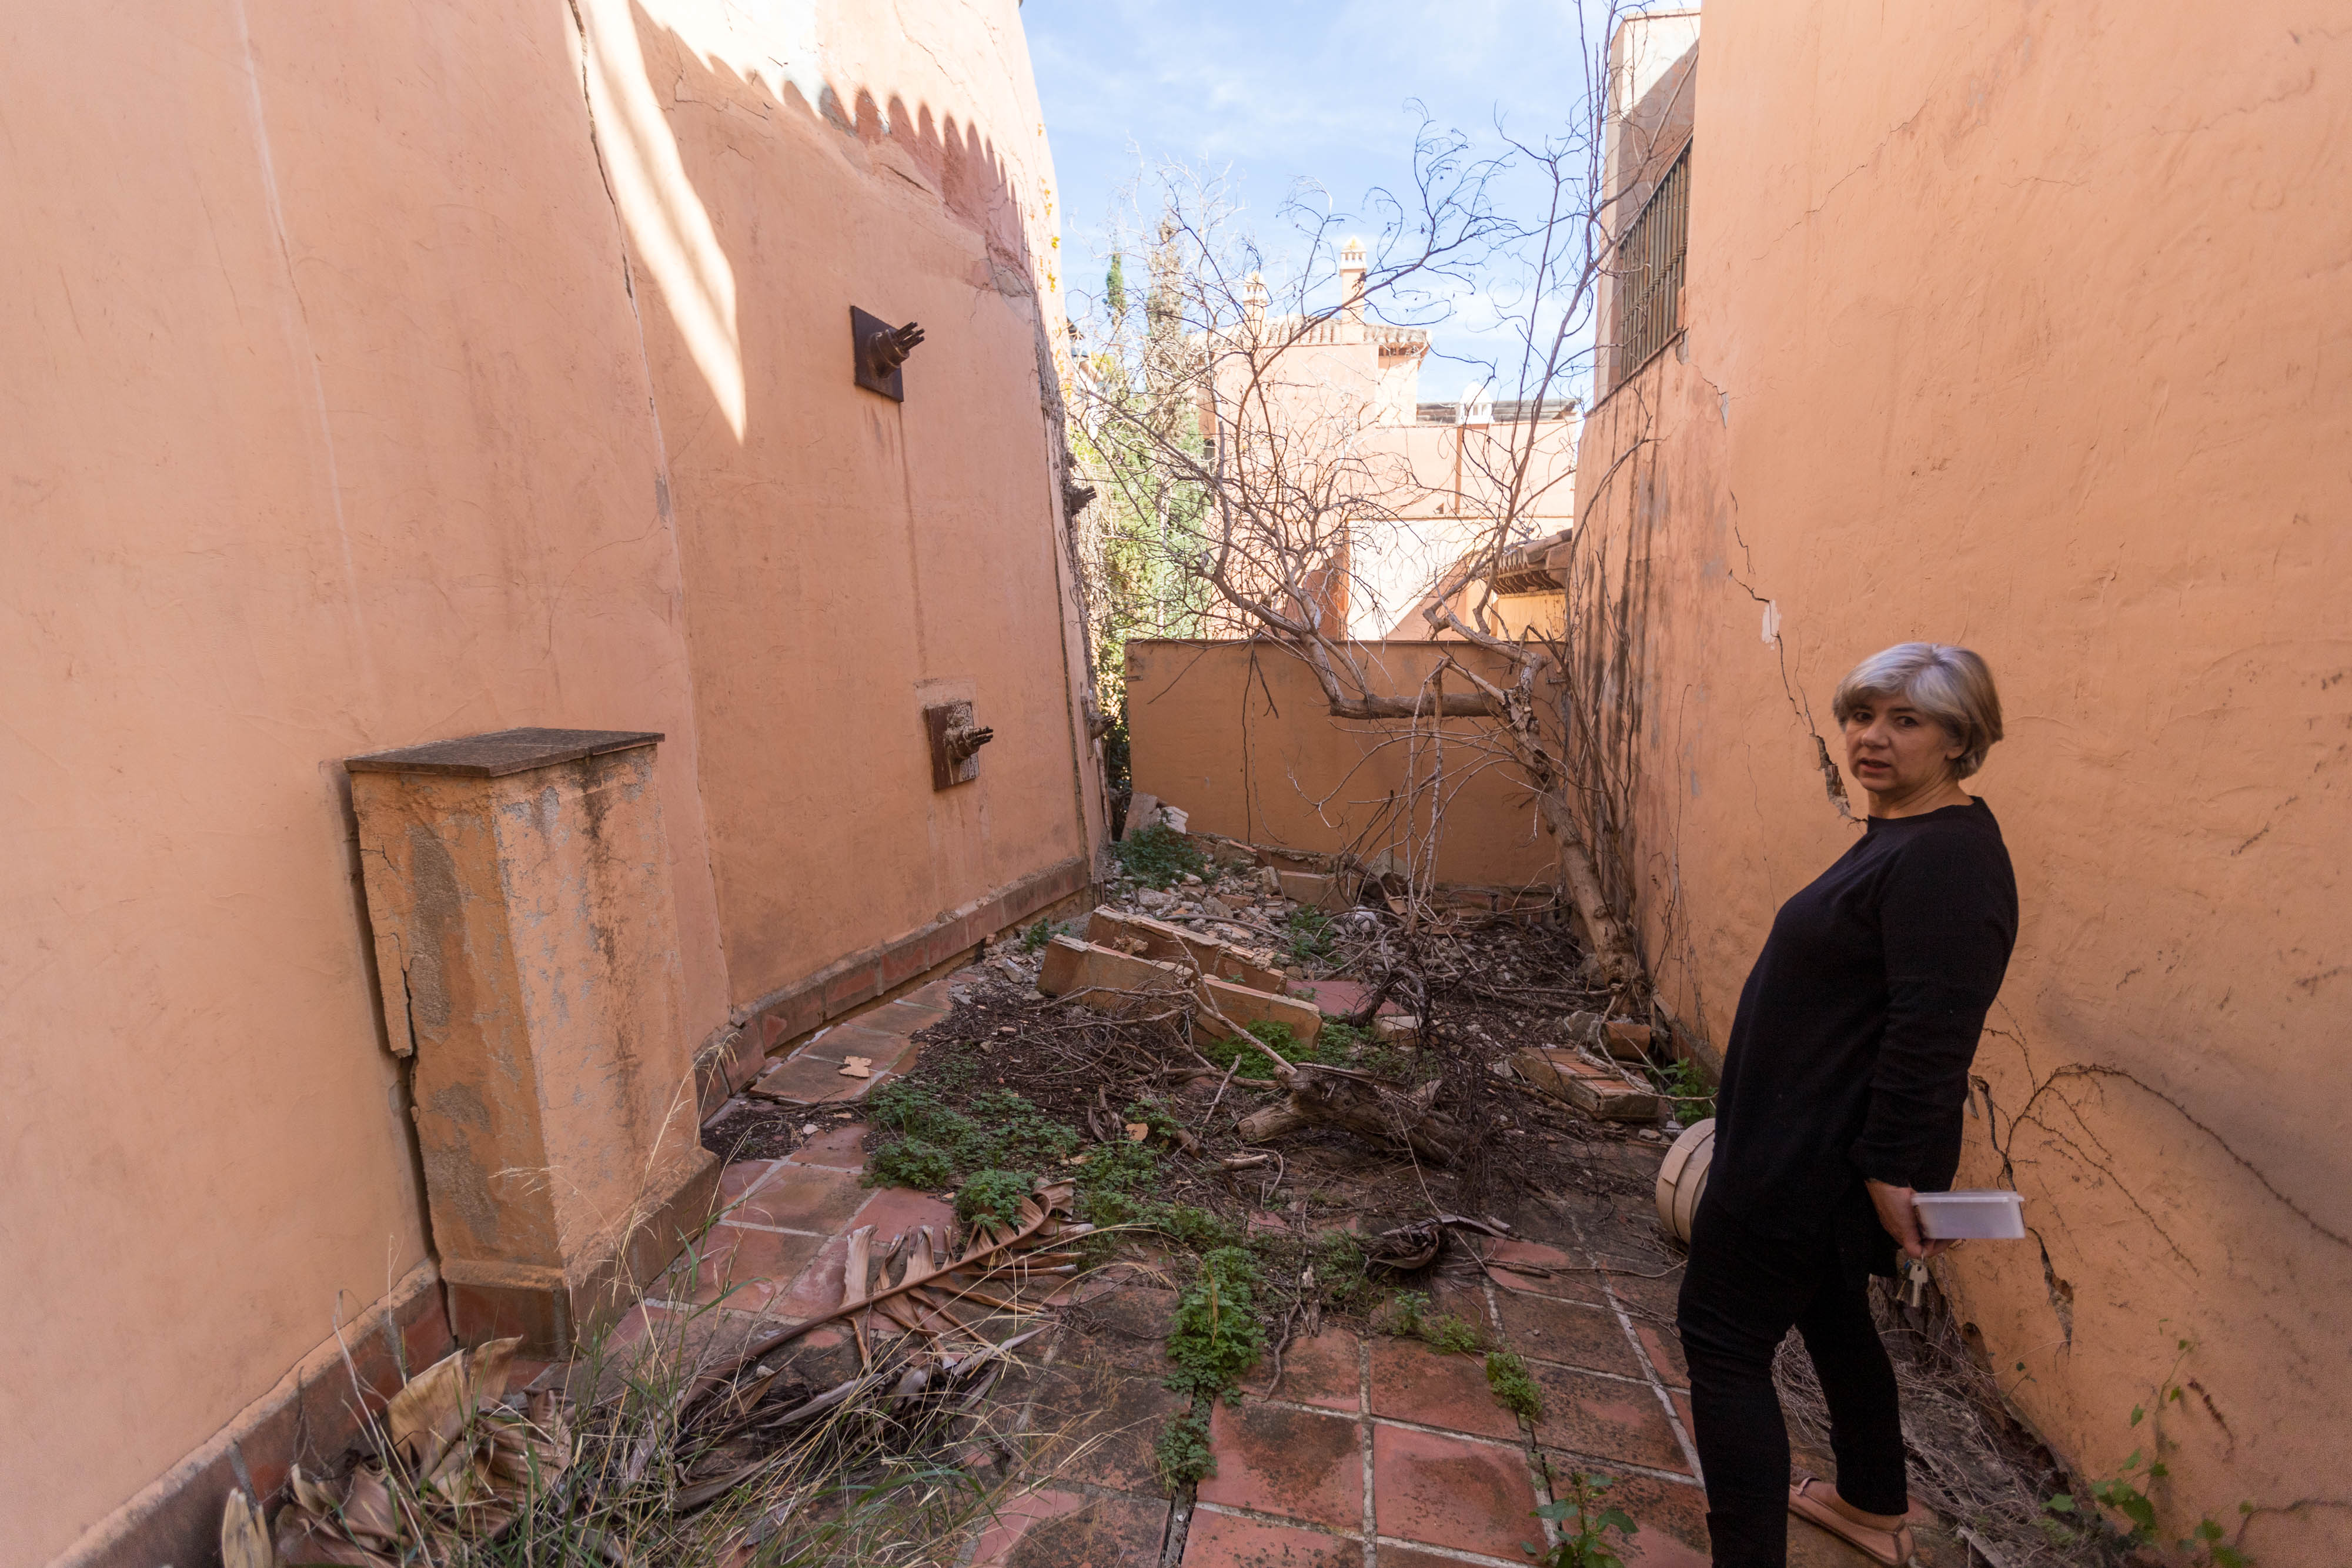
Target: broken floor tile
885,1048
810,1080
1224,1540
1271,1459
1412,1383
1452,1491
1056,1529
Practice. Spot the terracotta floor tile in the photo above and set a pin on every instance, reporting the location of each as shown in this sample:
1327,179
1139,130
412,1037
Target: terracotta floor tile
742,1175
840,1147
803,1198
1322,1371
1287,1462
1412,1383
1099,1426
1056,1529
1665,1346
1570,1284
1604,1419
886,1047
808,1081
818,1289
1810,1546
1125,1330
1584,1336
1450,1492
1221,1540
1654,1297
894,1210
743,1270
912,1014
1672,1517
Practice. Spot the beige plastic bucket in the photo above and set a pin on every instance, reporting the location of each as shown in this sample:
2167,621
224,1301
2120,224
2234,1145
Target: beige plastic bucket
1682,1180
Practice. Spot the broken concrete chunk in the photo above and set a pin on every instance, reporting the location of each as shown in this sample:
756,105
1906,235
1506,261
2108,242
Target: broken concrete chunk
1397,1029
1318,891
1111,980
1623,1038
1157,939
858,1067
1599,1093
1142,813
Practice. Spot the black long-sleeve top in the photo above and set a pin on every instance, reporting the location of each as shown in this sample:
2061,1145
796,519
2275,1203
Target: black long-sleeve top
1849,1055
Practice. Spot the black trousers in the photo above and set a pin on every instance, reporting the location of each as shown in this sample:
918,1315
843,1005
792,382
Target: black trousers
1741,1294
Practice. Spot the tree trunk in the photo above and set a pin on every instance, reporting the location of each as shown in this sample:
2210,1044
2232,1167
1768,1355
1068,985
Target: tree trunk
1364,1105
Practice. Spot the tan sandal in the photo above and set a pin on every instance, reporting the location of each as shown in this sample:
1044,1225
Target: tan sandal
1892,1547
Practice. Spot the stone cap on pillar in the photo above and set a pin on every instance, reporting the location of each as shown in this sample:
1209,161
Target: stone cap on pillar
501,752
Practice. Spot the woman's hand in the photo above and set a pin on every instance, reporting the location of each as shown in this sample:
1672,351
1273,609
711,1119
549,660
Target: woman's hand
1900,1219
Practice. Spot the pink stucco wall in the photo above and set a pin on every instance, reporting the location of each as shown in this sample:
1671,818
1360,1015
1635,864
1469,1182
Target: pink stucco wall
380,374
2022,327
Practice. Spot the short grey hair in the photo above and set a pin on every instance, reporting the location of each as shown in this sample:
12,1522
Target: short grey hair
1951,685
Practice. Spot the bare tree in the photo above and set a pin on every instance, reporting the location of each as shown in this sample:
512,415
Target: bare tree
1264,495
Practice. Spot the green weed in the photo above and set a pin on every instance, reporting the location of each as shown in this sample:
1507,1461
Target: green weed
1692,1095
1408,1316
994,1196
911,1162
1585,1521
1313,939
1036,937
1158,856
1217,1337
1183,1450
996,1130
1155,1117
1515,1391
1226,1050
2126,1493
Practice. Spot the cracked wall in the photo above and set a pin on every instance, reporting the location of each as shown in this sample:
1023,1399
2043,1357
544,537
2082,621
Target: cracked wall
2015,327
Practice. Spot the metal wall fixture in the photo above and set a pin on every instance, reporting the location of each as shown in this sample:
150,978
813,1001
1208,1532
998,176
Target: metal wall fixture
880,350
955,741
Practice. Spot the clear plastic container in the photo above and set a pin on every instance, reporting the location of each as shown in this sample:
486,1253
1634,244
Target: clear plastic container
1979,1216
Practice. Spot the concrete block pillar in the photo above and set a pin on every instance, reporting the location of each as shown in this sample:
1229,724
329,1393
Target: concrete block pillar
528,952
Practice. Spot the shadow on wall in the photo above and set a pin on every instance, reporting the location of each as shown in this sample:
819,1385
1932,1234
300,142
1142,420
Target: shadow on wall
843,553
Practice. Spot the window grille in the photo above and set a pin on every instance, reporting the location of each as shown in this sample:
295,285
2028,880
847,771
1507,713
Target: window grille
1649,271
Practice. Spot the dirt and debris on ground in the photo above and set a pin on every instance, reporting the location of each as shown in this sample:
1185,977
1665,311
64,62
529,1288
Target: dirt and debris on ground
1318,1349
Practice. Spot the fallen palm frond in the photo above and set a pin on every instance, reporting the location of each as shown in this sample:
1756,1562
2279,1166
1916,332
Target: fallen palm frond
681,1448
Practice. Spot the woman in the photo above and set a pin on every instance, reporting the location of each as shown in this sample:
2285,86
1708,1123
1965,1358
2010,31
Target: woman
1844,1085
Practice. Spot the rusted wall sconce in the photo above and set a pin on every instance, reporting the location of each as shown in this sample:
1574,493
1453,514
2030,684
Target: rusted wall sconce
955,744
881,348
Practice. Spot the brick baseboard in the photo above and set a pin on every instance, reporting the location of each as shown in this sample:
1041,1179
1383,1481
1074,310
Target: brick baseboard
881,972
309,1418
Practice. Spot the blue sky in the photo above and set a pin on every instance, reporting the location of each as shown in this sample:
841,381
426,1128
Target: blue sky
1274,91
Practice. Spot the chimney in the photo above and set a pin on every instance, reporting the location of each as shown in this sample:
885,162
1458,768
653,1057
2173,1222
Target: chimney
1351,285
1254,307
